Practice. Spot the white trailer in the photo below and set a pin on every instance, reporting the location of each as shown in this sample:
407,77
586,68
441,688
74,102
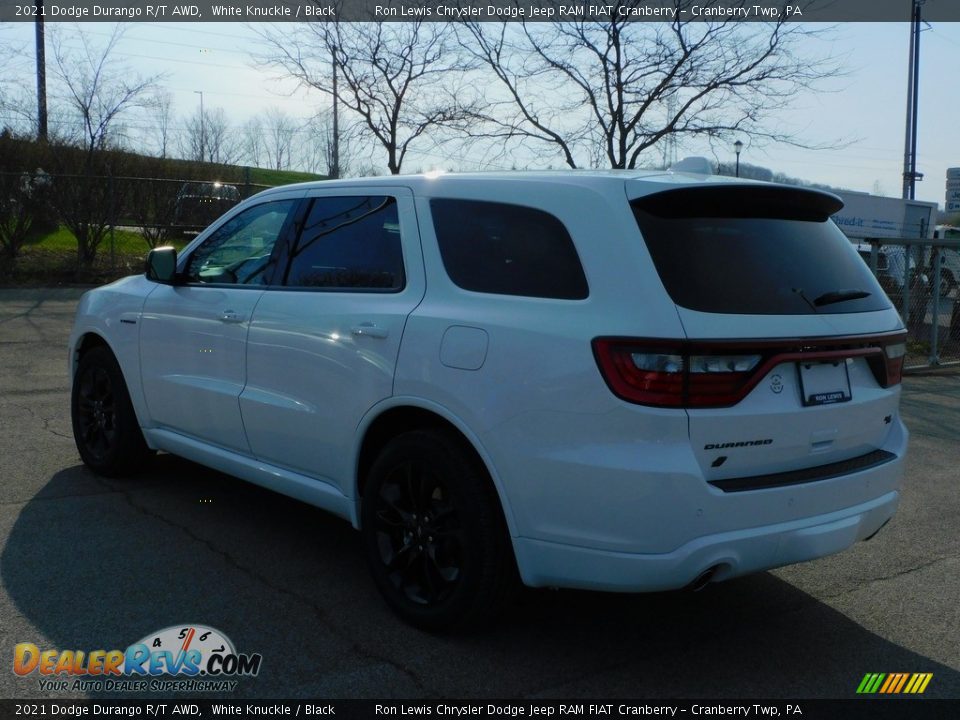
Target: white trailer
868,217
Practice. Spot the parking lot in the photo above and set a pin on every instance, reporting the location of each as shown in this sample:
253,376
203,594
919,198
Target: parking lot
88,563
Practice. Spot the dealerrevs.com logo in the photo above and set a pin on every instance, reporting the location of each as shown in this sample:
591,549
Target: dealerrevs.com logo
186,658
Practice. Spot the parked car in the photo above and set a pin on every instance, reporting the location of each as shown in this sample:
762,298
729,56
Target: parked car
617,381
949,272
891,260
200,203
949,261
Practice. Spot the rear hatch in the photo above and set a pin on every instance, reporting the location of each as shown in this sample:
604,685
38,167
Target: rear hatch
793,353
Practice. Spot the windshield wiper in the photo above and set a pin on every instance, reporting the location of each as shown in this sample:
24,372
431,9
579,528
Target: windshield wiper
836,296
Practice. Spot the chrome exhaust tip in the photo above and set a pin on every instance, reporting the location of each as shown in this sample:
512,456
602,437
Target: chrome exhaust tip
703,579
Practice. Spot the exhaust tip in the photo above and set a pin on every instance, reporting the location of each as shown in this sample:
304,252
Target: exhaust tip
703,579
872,535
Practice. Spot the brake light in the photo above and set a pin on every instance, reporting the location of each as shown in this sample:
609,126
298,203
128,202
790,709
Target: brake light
672,377
894,354
712,374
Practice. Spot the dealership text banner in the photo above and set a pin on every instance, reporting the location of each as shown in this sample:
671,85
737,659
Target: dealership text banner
476,11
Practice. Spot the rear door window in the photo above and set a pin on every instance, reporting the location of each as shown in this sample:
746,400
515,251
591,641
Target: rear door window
507,249
755,250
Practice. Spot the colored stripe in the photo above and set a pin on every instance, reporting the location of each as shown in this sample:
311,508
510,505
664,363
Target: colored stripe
186,642
892,683
903,680
876,683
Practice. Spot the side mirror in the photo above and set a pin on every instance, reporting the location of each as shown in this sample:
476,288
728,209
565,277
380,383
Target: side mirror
162,265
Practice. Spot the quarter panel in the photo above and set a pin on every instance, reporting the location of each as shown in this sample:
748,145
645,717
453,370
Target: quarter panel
113,312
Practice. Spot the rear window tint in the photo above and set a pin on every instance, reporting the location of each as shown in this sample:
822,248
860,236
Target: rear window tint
507,250
759,252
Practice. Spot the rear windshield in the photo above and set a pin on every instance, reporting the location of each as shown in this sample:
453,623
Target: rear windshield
755,250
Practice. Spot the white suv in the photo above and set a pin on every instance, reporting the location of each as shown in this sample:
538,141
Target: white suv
606,380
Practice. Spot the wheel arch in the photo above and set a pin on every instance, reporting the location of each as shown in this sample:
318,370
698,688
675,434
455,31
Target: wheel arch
384,422
93,337
85,342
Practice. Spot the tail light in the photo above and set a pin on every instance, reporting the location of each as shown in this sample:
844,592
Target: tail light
685,374
894,354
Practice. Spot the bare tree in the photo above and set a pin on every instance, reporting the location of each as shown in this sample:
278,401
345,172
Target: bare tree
253,145
17,102
605,92
96,88
317,149
396,77
22,198
160,114
279,135
210,138
99,92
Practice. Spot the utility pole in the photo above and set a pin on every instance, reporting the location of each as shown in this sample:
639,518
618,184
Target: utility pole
41,76
335,160
203,133
910,174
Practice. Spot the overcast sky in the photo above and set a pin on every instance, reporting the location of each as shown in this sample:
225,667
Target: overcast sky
867,107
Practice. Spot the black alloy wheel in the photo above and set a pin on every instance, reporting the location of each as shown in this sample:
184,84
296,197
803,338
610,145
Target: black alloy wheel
105,427
434,533
97,412
419,535
947,283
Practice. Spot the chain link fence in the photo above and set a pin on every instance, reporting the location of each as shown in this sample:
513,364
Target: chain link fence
95,207
922,279
921,276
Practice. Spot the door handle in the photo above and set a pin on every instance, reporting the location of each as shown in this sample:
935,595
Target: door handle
368,329
231,316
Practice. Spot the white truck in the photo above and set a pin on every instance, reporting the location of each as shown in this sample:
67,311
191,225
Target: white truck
869,217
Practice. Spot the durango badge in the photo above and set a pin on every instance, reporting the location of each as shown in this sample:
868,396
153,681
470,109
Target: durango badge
741,443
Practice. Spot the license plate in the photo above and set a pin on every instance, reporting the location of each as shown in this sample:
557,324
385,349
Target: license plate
824,383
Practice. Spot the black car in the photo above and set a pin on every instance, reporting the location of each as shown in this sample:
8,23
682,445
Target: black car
200,203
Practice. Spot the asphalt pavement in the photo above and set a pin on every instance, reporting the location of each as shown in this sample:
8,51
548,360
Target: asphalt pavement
89,563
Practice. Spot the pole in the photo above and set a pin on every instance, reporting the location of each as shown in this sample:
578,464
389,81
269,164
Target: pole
738,165
908,124
335,164
913,94
915,98
41,75
203,132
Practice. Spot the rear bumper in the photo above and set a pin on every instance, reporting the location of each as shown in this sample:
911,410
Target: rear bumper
734,553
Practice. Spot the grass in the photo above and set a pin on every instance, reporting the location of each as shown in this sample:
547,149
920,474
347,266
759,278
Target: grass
51,259
265,176
61,239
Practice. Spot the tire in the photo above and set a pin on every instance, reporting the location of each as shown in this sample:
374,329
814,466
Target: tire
105,427
434,534
947,283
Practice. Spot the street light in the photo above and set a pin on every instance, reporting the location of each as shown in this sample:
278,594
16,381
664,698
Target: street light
203,134
737,148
